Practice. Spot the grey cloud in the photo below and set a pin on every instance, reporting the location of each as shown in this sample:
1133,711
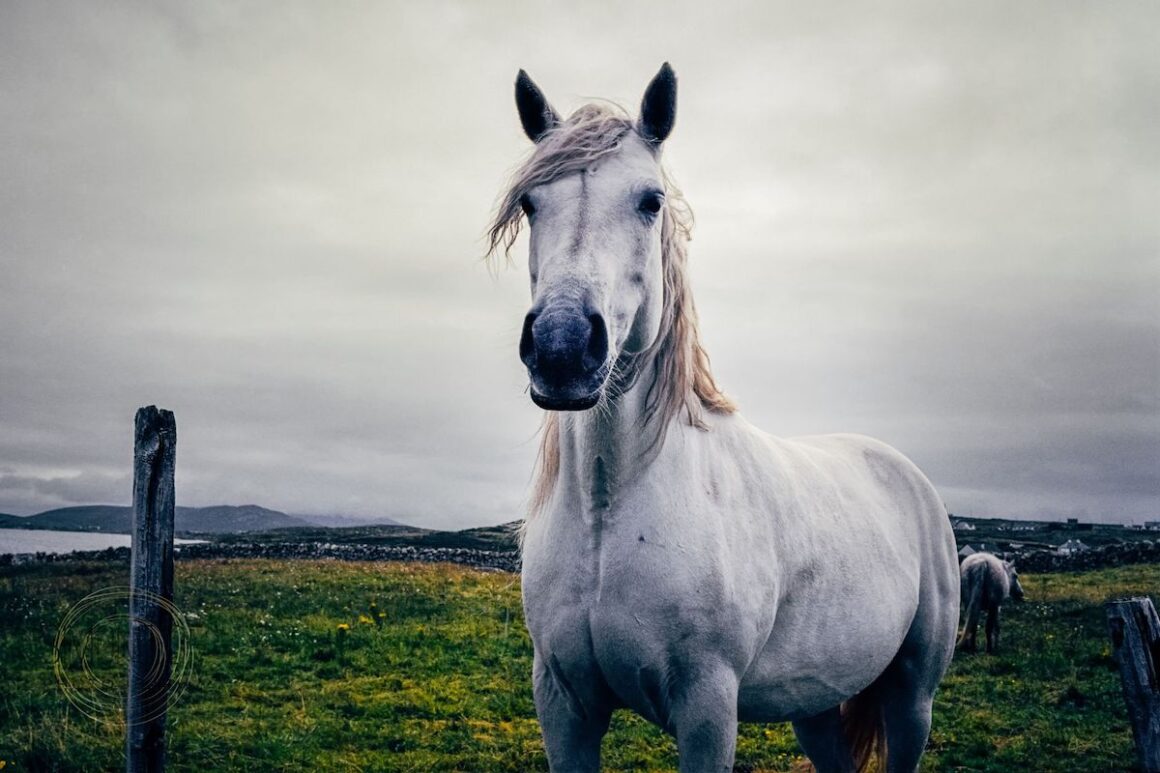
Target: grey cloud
930,224
30,491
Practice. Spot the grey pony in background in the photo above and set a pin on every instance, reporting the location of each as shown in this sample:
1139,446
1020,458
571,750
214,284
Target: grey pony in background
986,582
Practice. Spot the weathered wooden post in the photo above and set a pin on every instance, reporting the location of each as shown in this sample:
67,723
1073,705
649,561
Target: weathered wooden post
1135,632
150,590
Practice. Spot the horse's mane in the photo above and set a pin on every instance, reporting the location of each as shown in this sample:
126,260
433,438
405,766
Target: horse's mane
681,378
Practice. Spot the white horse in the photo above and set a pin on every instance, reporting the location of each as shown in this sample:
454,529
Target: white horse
678,561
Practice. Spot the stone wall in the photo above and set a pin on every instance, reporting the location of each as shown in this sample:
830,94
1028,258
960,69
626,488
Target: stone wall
1037,561
1027,561
505,560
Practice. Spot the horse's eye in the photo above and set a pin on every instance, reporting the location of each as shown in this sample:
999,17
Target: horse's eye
651,203
527,206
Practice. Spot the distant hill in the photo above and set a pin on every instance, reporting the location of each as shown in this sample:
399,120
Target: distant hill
226,519
114,519
502,537
107,518
10,521
344,521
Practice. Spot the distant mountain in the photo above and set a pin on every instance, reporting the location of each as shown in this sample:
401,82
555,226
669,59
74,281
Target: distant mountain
344,521
226,519
502,537
10,521
107,518
113,519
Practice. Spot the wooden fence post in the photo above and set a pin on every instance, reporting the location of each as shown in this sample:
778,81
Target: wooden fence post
150,590
1135,632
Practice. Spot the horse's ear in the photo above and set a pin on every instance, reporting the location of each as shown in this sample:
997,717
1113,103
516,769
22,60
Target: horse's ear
536,115
658,109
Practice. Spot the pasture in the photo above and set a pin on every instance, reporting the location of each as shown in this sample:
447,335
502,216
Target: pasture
328,665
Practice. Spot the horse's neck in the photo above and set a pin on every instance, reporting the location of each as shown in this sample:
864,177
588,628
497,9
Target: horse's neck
605,448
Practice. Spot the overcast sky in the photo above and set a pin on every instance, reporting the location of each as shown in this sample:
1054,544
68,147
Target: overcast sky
935,224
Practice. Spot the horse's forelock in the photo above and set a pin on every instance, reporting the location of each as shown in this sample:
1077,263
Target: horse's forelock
589,134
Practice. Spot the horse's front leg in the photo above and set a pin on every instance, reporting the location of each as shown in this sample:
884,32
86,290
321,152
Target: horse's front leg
703,716
572,727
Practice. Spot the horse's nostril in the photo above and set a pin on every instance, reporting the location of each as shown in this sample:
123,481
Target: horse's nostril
597,349
528,342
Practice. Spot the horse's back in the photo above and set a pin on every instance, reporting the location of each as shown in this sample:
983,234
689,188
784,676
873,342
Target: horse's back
878,499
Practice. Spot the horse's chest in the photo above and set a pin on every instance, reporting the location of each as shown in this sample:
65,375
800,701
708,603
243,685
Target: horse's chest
614,570
607,649
629,611
611,591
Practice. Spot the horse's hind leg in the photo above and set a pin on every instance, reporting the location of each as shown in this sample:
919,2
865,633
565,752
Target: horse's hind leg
908,685
822,740
993,629
907,700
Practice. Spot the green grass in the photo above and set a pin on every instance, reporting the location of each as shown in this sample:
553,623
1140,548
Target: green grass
432,675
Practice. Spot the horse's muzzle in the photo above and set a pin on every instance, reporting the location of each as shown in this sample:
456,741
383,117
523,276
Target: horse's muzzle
565,349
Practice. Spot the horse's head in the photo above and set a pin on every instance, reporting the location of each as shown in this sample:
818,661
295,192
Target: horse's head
595,203
1013,579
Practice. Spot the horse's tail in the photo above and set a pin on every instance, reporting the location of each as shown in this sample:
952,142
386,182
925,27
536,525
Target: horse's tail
974,601
864,726
864,729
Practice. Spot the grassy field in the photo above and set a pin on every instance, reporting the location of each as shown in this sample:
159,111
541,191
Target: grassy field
306,666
